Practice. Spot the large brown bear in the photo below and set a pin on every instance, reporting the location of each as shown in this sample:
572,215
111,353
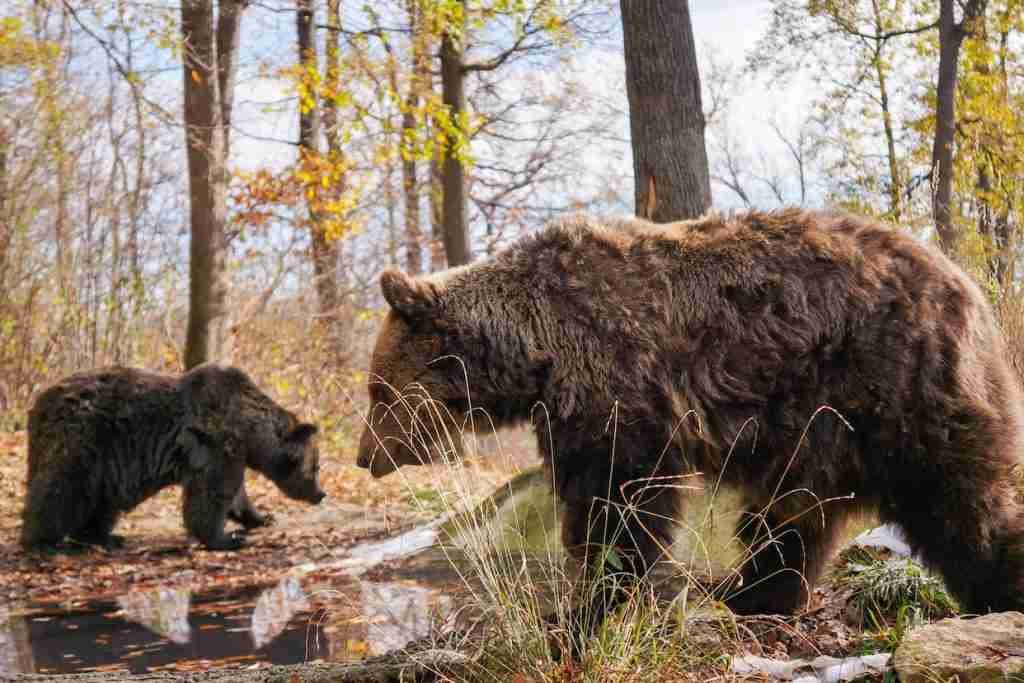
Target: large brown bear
101,442
643,352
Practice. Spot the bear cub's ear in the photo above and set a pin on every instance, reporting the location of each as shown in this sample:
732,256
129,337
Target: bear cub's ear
301,434
405,294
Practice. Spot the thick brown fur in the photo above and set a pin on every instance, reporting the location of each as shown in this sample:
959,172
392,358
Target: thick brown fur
101,442
712,345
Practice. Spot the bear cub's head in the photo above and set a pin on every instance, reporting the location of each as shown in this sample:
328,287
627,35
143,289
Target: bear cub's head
224,407
296,467
417,386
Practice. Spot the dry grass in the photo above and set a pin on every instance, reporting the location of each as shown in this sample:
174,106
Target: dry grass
525,593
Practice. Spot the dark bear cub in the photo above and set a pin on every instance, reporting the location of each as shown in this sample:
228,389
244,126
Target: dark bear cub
102,442
713,345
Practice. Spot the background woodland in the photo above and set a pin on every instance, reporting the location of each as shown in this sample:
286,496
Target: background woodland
225,180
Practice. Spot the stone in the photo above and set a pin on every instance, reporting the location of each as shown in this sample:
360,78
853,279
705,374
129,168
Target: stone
985,649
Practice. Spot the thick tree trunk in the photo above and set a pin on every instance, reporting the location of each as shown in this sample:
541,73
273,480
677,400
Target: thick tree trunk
229,23
453,174
206,337
670,162
951,36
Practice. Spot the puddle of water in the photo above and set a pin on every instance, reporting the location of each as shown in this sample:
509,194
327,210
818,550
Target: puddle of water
140,632
342,618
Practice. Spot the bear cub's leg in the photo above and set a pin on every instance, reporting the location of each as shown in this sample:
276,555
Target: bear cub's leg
245,513
97,530
208,495
56,503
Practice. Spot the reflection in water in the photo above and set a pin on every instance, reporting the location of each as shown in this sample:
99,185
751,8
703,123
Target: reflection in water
15,650
275,608
164,611
396,613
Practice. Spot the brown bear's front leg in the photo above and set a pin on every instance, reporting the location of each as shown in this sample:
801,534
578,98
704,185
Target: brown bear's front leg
209,493
617,524
782,562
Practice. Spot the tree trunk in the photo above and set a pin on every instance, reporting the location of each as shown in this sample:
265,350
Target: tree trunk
6,217
229,23
453,174
410,190
206,337
895,184
342,319
410,186
323,249
951,36
670,162
437,258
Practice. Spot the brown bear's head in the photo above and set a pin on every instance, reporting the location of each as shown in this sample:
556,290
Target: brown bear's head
417,381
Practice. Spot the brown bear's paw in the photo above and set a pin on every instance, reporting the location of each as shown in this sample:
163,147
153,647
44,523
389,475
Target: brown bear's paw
753,601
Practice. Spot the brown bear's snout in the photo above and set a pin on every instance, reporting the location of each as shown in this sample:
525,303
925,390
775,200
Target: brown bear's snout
374,456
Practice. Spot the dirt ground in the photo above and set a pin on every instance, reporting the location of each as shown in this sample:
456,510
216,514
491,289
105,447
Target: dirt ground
357,508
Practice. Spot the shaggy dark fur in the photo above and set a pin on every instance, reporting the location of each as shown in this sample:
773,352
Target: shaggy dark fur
100,443
710,345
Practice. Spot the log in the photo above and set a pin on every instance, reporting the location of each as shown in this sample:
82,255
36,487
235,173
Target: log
424,666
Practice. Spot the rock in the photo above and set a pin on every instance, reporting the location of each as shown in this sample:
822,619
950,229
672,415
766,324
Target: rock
818,670
980,650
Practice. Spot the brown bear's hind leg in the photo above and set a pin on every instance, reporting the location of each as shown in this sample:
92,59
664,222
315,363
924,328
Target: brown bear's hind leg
974,540
782,562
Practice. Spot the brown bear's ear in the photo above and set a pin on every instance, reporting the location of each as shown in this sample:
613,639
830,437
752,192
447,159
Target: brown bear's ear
405,294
